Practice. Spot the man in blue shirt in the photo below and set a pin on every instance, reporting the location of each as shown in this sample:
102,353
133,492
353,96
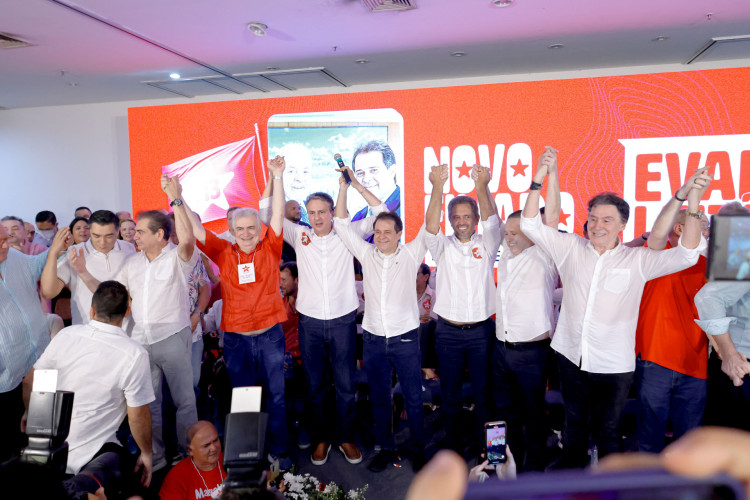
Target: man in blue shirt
24,334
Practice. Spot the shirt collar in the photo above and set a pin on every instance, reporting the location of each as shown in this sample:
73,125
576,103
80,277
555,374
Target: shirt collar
616,249
106,327
384,256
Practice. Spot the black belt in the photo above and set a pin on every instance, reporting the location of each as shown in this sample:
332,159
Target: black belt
466,326
520,346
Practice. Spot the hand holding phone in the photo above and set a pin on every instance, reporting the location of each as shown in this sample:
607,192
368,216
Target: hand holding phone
494,439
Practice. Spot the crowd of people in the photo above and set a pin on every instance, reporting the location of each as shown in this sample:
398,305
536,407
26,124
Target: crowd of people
305,308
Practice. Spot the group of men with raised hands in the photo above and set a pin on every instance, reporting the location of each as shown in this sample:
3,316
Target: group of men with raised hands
505,336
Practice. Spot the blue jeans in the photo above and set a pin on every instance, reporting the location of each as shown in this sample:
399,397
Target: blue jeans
459,349
663,393
381,356
258,360
519,381
330,346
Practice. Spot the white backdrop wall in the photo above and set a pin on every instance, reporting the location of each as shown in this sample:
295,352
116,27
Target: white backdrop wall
60,157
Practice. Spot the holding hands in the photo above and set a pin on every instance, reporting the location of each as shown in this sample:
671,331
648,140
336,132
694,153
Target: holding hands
439,175
277,165
172,187
547,164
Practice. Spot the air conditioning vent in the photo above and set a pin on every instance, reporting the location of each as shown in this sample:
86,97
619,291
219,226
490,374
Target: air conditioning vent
8,42
388,5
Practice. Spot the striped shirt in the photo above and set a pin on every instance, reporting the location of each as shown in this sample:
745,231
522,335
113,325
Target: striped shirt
24,333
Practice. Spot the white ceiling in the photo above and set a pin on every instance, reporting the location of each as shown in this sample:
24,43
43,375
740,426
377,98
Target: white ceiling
102,63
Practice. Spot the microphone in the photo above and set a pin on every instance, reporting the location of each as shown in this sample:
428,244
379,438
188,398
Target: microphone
338,159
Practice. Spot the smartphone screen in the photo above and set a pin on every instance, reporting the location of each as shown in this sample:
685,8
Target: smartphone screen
494,438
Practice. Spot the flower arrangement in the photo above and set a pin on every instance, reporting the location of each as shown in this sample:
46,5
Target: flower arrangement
307,487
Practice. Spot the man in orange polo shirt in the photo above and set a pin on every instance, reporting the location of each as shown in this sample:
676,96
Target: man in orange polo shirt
253,310
672,350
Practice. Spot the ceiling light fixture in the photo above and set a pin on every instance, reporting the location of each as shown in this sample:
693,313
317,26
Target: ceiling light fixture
458,54
502,3
257,29
271,68
556,46
361,61
174,76
660,38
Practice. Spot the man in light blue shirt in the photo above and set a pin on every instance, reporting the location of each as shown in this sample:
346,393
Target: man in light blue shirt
724,310
24,334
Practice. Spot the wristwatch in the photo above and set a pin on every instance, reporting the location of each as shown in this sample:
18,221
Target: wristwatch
176,203
698,215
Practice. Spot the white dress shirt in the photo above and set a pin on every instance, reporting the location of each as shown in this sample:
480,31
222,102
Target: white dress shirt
102,266
465,281
525,287
425,304
325,266
389,281
108,372
159,289
596,329
724,307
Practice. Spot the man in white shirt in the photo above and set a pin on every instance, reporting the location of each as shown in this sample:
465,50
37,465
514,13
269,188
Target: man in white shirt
104,256
390,323
526,280
595,335
101,351
465,297
157,279
327,304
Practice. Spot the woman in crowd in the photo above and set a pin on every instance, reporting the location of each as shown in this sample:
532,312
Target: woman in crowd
127,230
80,230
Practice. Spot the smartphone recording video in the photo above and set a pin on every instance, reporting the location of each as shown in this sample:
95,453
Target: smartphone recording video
494,439
729,248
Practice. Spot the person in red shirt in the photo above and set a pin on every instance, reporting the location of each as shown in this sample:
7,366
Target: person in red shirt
251,318
288,287
672,350
200,475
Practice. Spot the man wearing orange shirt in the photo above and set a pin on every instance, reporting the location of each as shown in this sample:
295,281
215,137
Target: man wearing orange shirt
672,350
253,310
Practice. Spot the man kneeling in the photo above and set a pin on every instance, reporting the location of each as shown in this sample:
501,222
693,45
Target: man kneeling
110,376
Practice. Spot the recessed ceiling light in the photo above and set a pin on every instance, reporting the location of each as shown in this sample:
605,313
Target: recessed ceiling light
556,46
502,3
361,61
174,76
458,54
271,68
660,38
257,29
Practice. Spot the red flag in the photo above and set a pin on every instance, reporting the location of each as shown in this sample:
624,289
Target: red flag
216,179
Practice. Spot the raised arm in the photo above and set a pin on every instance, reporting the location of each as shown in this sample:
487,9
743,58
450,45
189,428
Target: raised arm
552,202
482,182
50,283
370,198
691,237
438,177
531,208
340,210
182,217
664,223
277,166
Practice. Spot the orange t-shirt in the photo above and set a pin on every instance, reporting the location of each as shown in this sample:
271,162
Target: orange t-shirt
666,333
251,306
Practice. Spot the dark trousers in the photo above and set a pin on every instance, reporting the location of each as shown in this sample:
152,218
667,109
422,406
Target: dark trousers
381,356
111,468
458,349
663,393
330,346
519,382
592,401
727,405
11,412
254,360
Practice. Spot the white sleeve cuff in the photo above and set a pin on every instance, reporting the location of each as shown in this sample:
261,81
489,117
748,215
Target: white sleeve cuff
716,326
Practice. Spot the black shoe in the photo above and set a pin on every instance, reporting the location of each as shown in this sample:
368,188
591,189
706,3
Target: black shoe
381,460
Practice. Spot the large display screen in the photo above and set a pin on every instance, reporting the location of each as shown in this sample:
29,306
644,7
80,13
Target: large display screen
638,136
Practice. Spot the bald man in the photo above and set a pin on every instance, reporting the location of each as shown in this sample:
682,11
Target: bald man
201,474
